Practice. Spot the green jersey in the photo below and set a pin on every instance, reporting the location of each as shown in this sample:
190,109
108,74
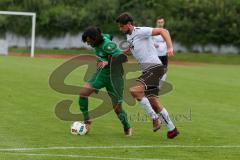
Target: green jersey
111,76
104,51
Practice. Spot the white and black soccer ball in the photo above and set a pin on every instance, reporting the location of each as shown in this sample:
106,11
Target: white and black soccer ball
78,128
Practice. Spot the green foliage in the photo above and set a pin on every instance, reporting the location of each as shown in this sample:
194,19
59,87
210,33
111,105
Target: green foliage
189,21
206,21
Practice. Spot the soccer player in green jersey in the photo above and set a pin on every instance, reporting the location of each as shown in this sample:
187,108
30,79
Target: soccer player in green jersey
109,58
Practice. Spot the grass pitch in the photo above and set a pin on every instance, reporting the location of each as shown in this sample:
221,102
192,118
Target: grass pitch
204,106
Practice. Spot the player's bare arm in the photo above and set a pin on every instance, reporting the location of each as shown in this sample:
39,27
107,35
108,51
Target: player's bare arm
164,33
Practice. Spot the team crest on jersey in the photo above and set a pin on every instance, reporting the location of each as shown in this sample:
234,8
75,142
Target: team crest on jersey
110,47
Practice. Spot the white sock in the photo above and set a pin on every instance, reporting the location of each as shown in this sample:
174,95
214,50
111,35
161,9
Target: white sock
148,108
164,117
162,80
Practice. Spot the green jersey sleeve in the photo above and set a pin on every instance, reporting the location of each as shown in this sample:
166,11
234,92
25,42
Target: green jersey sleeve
108,36
112,49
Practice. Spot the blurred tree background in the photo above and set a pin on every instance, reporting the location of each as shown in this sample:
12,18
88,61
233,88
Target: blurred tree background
189,21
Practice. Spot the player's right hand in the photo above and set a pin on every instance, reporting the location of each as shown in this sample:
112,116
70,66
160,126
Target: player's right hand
102,64
170,52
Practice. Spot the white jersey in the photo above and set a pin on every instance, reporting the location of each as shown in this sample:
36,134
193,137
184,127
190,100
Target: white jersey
162,49
142,47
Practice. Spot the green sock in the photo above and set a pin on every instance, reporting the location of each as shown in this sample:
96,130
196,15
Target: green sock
122,115
83,103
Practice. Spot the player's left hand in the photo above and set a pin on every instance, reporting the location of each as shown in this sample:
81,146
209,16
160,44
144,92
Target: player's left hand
102,64
170,52
127,51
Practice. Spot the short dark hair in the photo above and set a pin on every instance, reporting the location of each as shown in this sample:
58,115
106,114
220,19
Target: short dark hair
159,17
94,33
124,18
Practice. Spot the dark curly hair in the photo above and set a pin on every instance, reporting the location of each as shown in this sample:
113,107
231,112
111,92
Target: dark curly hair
93,33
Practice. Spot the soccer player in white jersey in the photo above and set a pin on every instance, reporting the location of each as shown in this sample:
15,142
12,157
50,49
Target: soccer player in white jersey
161,46
147,85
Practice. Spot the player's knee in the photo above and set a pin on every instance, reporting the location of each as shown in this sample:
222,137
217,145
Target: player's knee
133,92
86,90
82,94
136,93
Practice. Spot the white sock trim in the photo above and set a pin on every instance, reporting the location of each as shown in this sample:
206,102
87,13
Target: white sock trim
165,117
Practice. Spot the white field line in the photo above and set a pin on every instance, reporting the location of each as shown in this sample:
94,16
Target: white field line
123,147
81,156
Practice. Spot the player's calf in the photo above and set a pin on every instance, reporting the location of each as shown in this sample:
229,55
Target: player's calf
156,124
122,116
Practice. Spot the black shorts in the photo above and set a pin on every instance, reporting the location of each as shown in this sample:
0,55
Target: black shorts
150,78
164,60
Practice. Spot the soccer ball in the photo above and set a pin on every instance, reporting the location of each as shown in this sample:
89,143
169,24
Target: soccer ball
78,128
